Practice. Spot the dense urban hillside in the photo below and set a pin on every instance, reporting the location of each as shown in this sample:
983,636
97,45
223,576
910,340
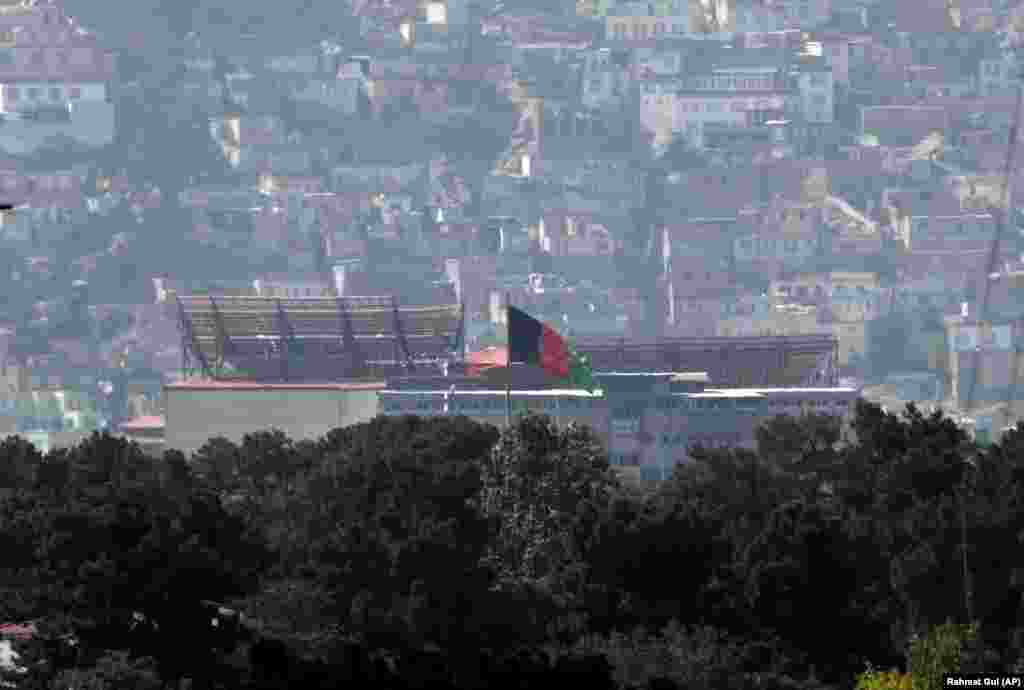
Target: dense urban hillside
438,553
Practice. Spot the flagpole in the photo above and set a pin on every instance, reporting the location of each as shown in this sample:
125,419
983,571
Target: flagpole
508,364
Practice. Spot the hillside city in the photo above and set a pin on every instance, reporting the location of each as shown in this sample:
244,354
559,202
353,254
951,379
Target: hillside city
626,171
459,344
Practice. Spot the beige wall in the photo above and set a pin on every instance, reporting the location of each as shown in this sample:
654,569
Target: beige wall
852,338
194,415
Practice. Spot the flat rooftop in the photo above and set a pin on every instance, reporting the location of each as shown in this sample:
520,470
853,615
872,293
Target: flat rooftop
539,393
208,385
781,389
682,376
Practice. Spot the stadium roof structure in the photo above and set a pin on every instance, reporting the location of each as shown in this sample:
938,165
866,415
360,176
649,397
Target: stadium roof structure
233,337
754,361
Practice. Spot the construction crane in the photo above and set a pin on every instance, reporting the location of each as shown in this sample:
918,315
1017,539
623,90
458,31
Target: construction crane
993,257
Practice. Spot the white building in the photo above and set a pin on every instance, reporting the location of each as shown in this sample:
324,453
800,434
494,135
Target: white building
997,74
342,94
606,79
817,93
727,96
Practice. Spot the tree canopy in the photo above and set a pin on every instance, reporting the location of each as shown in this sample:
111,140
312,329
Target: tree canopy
414,552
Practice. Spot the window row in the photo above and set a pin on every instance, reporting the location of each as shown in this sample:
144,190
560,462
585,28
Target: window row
473,404
759,244
726,438
298,292
46,184
56,94
733,83
624,459
622,30
819,404
712,107
683,403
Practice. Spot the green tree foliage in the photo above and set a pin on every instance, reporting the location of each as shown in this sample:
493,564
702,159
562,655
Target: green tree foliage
112,672
412,552
544,484
940,651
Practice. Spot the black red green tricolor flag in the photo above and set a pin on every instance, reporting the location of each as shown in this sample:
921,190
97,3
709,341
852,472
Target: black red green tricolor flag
533,342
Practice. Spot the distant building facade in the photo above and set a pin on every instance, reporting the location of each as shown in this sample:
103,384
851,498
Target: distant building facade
649,421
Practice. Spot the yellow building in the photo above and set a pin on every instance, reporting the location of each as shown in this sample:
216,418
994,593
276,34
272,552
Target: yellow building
643,21
780,319
852,297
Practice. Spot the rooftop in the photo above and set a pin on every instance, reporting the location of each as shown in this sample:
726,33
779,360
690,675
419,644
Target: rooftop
544,392
777,390
144,422
210,385
681,377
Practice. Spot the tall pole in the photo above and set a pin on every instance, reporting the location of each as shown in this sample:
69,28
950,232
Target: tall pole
994,246
508,364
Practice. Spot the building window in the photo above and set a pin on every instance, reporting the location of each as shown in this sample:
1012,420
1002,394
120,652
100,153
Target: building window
33,93
54,93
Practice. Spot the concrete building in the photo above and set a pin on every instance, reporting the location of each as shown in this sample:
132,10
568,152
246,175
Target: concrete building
649,421
148,432
44,410
200,410
984,366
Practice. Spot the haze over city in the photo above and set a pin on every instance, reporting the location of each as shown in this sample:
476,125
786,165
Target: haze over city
503,343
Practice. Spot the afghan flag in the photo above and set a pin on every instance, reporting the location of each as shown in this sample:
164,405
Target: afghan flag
533,342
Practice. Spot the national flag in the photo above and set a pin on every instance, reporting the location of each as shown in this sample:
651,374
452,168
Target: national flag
581,376
533,342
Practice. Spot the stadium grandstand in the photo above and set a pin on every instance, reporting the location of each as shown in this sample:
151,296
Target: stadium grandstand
729,361
322,339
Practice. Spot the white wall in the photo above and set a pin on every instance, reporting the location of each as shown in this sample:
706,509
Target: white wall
338,94
92,124
34,94
817,97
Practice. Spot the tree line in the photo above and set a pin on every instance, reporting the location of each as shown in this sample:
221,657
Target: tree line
412,552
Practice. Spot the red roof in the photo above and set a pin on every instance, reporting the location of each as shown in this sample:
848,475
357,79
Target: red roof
144,422
21,631
488,358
